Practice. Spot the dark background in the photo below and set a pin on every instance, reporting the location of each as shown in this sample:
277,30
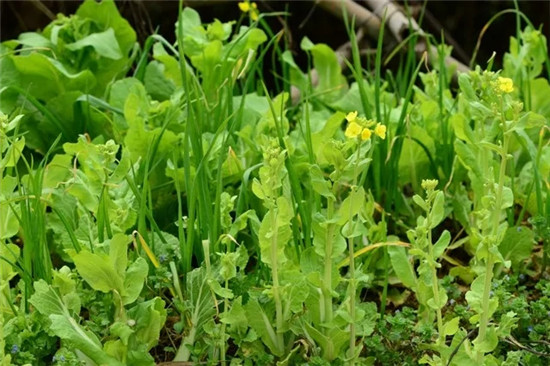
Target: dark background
461,21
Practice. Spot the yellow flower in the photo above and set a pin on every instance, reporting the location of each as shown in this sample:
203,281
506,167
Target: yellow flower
254,15
351,116
380,131
353,130
365,135
248,7
244,6
505,85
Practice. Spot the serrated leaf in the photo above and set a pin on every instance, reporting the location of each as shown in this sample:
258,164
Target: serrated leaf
50,304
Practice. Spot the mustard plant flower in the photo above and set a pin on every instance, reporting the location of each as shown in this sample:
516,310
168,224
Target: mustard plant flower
365,134
250,8
353,130
505,85
429,184
351,116
380,131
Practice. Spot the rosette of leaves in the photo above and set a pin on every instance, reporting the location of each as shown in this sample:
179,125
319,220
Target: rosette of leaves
134,331
50,72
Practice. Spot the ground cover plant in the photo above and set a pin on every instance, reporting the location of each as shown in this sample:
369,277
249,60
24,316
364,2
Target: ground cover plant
210,201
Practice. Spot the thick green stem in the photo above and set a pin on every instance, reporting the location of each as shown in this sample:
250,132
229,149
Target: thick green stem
352,290
352,284
225,310
327,290
490,263
275,275
435,284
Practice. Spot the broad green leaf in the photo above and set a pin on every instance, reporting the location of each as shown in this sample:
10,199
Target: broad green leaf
106,14
236,317
475,296
451,327
461,128
262,324
105,44
12,155
319,183
418,148
118,248
432,303
467,157
9,225
517,245
489,343
156,83
11,253
247,39
466,86
32,39
331,83
402,266
540,94
50,304
199,309
275,233
351,206
507,198
438,210
321,230
420,202
149,319
332,343
441,244
98,271
134,280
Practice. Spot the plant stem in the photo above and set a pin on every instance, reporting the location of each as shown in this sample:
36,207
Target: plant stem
352,290
327,293
225,310
484,321
435,284
352,285
275,275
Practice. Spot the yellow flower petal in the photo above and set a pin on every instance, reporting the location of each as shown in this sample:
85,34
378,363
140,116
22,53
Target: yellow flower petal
380,131
365,134
351,116
505,85
254,14
353,130
244,6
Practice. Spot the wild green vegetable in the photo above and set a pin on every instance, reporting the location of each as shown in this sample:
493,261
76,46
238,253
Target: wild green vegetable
161,203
